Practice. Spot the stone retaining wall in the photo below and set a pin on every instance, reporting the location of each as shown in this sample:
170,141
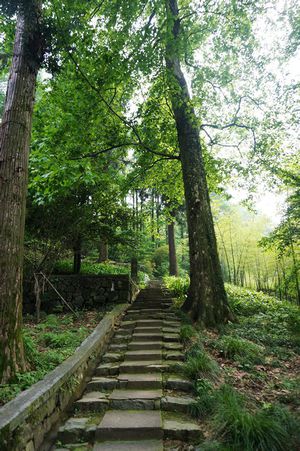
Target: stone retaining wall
25,421
81,291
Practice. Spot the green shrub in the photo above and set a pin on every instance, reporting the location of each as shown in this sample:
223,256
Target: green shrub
206,399
178,287
66,267
263,429
63,339
187,332
236,348
199,364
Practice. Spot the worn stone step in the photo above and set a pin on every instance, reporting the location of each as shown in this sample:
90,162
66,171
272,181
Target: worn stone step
130,425
173,355
148,330
173,346
128,399
175,382
128,324
126,445
121,339
118,347
140,380
147,337
171,330
149,323
101,383
176,403
184,430
125,331
171,337
146,345
111,357
76,430
107,369
144,366
94,401
143,355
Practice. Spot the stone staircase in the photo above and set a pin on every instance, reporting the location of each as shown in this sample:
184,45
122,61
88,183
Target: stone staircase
136,401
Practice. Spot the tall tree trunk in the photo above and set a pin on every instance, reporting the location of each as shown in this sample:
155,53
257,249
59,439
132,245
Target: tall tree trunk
14,150
103,251
206,299
77,255
173,268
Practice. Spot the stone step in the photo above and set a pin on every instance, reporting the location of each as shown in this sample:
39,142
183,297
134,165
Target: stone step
147,337
128,324
101,383
94,401
173,346
176,403
148,330
130,425
107,369
128,399
111,357
175,382
118,347
125,331
171,337
173,355
146,345
184,430
149,323
143,366
143,355
76,430
126,445
140,381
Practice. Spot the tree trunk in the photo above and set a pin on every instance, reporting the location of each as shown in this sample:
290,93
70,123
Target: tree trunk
14,150
173,269
134,269
206,299
77,256
103,251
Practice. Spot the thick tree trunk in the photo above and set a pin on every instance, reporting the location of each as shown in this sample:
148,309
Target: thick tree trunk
207,299
14,150
173,268
134,269
77,256
103,251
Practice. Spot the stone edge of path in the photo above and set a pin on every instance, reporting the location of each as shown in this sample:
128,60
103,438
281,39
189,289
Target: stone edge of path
25,421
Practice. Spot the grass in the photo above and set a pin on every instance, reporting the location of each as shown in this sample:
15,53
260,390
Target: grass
46,345
199,364
260,429
240,349
66,267
245,374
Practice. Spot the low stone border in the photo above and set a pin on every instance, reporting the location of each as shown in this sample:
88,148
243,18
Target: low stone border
25,421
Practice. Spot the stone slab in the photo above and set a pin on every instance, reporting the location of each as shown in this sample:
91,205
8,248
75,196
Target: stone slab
185,431
143,355
140,366
136,394
140,445
146,345
140,381
130,425
102,383
176,403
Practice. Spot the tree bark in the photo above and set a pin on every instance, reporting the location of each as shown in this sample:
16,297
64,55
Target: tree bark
206,301
14,150
173,268
77,256
103,251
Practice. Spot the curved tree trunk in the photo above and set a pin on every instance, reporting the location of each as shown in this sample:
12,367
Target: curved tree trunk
14,149
207,299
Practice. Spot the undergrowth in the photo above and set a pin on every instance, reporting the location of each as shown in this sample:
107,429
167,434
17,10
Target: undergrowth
265,336
46,345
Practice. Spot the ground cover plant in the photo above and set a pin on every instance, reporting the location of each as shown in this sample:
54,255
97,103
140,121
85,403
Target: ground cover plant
47,344
246,373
